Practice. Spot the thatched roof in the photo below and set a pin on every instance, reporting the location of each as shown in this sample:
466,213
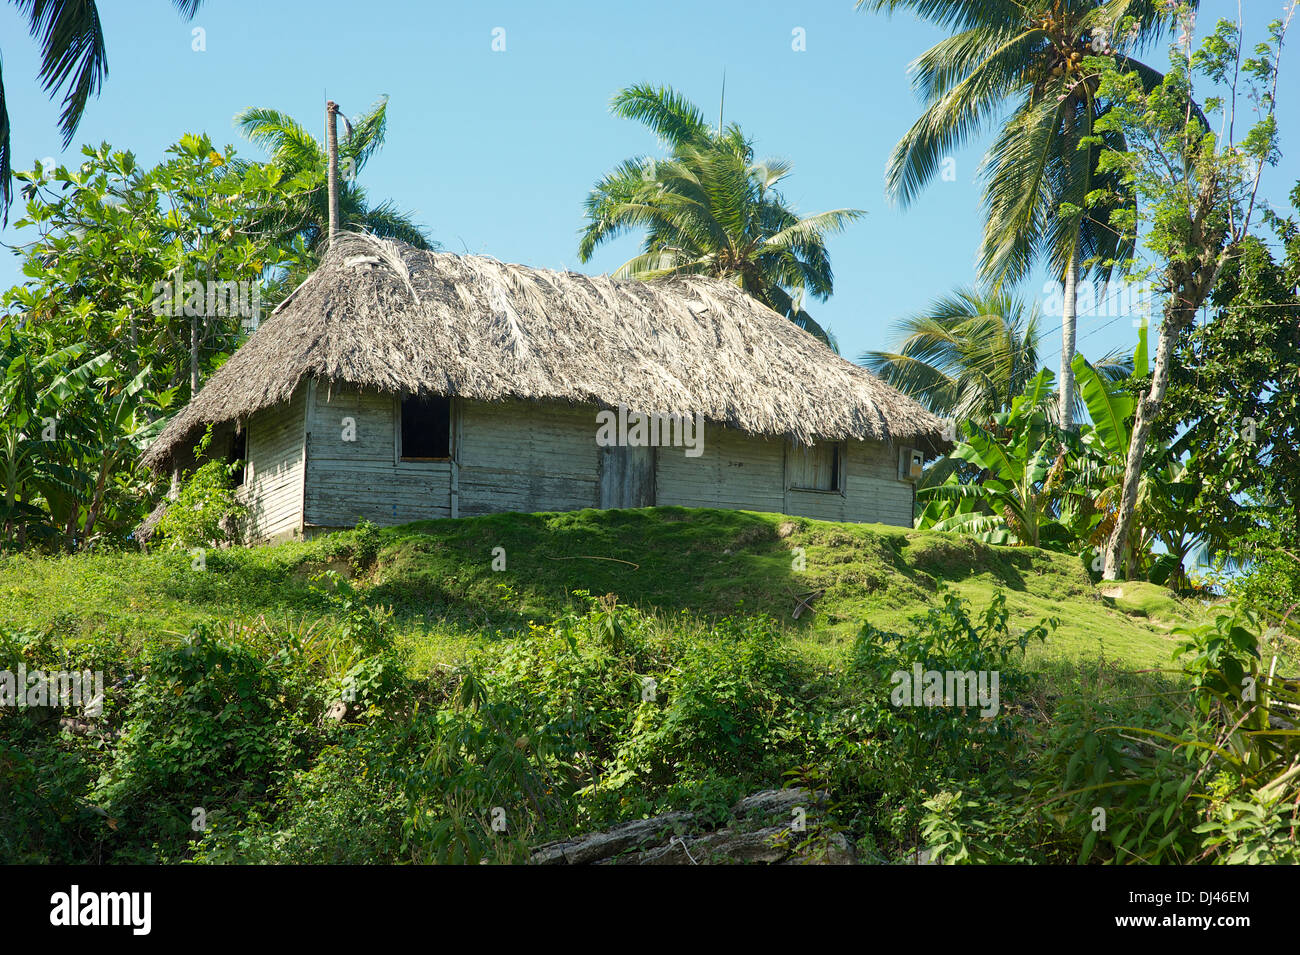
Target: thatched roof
383,315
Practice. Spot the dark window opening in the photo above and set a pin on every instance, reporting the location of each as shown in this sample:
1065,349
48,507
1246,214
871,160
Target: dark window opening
238,453
426,428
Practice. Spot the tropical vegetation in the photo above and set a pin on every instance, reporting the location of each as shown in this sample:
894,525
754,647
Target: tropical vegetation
1114,539
710,209
1031,68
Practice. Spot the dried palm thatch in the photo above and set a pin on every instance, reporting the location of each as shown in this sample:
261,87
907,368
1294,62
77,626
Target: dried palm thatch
384,316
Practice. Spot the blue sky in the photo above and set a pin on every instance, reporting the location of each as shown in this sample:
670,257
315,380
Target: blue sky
494,152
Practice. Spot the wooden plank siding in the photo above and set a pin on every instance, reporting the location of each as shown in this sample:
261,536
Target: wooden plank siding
520,456
735,470
273,478
352,466
872,492
526,456
875,494
750,473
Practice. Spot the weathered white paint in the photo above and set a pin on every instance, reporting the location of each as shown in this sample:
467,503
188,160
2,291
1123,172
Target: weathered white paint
273,477
351,479
735,470
527,456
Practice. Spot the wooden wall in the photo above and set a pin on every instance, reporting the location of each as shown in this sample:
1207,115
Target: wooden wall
872,492
352,471
749,473
273,477
526,456
736,470
519,456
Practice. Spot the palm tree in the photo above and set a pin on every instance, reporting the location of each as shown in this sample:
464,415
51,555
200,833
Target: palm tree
73,54
1027,61
970,353
710,209
298,153
966,355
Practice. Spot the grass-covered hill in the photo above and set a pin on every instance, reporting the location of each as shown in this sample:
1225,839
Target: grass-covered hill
440,580
392,695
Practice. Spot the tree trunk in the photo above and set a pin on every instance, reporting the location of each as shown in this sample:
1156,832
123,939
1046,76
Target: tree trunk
1116,547
97,499
332,167
1069,327
1190,283
194,356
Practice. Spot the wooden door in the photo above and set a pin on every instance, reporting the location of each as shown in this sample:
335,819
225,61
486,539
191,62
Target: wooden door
627,477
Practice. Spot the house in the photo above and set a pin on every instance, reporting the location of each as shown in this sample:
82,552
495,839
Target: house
400,385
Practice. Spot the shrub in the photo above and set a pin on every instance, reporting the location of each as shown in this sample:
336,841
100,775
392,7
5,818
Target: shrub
44,771
205,512
729,705
365,545
209,726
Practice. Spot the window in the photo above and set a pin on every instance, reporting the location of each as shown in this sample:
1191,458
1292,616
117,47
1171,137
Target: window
239,452
426,428
817,467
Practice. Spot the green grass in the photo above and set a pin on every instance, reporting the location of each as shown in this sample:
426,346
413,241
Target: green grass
438,578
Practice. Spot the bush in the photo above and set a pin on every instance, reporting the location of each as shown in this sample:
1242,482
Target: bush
729,705
205,512
44,770
210,726
365,545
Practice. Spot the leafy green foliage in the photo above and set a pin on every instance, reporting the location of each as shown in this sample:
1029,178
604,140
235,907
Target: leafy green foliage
1201,776
205,512
1021,461
208,724
117,320
1233,410
45,772
710,209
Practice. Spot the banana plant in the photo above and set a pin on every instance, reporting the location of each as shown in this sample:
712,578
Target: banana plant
36,385
1022,457
113,437
1167,493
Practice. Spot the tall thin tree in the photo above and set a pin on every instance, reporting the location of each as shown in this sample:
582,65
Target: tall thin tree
1027,62
332,166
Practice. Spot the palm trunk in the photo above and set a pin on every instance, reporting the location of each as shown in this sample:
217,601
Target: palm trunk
332,167
194,356
1069,328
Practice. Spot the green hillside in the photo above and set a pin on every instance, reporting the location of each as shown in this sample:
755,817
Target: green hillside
439,579
623,668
